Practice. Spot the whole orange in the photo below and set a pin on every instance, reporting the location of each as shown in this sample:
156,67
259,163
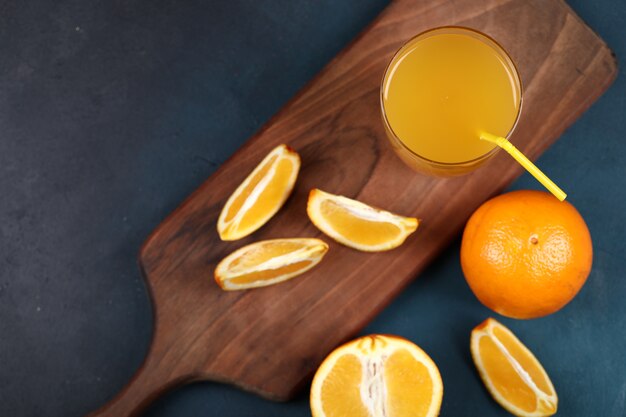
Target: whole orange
525,254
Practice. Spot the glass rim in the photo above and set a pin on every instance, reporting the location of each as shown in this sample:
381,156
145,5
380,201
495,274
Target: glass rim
492,43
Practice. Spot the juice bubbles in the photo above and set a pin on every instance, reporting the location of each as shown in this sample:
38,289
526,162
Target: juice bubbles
440,91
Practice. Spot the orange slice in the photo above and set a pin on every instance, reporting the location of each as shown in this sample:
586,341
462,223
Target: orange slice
260,195
510,371
356,224
377,376
268,262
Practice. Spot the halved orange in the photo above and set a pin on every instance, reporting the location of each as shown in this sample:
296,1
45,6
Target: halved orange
376,376
356,224
260,195
268,262
510,371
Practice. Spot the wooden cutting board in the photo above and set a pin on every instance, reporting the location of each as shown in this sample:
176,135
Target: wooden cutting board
270,340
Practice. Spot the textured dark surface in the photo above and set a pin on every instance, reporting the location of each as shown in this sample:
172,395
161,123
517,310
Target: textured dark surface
112,112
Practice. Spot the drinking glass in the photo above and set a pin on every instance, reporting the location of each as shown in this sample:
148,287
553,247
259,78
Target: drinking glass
440,90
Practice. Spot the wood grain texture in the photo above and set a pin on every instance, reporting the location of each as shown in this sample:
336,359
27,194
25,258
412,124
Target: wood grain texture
270,340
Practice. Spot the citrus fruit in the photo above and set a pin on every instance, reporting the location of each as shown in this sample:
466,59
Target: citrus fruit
525,254
510,371
356,224
260,195
376,376
268,262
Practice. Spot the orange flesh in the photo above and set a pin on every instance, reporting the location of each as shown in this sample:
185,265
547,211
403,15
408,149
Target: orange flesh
504,377
269,250
270,273
529,365
341,396
358,229
272,194
267,201
241,198
409,386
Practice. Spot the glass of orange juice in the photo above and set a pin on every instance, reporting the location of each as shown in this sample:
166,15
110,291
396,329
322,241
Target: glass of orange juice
440,91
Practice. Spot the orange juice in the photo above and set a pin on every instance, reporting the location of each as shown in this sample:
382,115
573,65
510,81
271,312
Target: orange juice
441,90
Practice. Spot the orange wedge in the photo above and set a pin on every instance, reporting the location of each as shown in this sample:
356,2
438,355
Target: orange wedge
510,371
260,195
268,262
356,224
377,376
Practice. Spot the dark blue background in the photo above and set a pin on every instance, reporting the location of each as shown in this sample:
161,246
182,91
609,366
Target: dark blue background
111,112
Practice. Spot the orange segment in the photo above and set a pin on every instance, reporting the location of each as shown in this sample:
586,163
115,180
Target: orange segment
356,224
377,376
409,386
528,362
260,195
510,371
268,262
505,377
341,391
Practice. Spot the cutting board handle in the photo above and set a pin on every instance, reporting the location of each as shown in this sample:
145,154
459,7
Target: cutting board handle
149,382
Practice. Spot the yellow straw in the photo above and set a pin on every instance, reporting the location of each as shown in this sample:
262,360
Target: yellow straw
526,163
